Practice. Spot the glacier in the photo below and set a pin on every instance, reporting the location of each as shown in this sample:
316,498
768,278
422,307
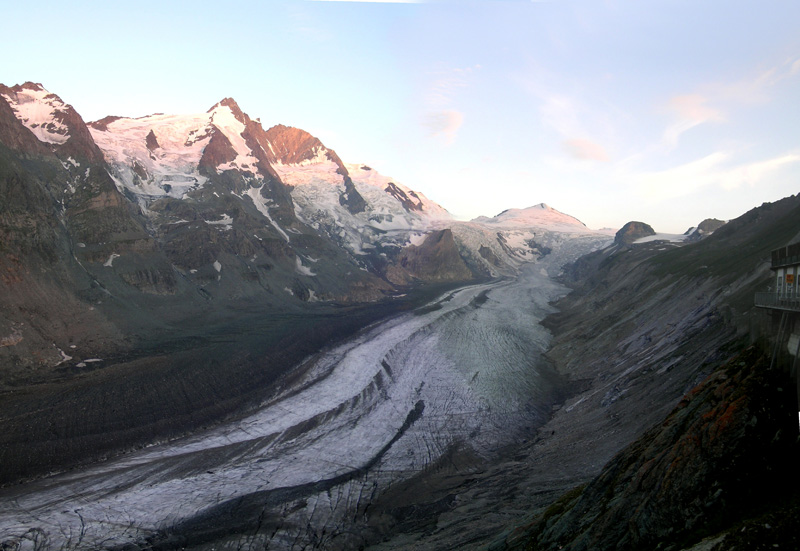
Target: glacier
465,372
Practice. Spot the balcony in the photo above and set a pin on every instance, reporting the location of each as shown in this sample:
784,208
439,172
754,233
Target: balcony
778,301
786,256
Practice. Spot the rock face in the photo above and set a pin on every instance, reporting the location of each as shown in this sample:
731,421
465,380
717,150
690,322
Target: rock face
632,231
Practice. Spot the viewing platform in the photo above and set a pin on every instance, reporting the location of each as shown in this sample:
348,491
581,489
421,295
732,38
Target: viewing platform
786,256
776,301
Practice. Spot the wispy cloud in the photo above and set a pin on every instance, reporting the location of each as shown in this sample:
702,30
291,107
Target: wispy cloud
447,83
757,88
443,119
692,110
713,170
753,173
444,124
585,150
564,115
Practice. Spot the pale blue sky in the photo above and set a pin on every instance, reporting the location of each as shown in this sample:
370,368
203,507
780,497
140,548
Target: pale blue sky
667,112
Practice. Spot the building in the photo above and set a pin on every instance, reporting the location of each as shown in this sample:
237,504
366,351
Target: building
784,297
785,293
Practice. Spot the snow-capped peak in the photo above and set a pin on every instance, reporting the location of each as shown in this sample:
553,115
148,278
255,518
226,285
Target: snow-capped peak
227,117
233,107
173,167
541,215
39,110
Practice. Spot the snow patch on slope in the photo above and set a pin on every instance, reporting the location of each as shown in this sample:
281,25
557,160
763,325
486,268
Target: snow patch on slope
304,270
226,222
670,237
261,204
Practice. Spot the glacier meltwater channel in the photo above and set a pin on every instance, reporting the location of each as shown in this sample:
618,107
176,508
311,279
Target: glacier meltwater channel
464,371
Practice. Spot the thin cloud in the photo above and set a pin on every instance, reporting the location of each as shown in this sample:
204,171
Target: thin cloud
585,150
757,88
751,174
711,170
444,124
561,114
442,120
692,110
694,107
447,84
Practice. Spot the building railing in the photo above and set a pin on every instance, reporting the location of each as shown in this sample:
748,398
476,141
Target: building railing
778,301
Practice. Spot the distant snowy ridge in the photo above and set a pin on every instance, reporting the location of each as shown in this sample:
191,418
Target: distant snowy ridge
215,159
541,215
518,236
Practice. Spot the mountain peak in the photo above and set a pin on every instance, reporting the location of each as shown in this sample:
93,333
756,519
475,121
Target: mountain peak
52,121
231,104
39,110
632,231
33,86
541,215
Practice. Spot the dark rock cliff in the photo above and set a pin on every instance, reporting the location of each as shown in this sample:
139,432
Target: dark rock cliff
728,452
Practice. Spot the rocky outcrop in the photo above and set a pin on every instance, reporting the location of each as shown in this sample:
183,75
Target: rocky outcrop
704,229
632,231
410,201
151,141
217,152
436,259
102,124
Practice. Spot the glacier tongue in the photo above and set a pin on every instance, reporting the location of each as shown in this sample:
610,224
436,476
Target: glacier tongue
463,372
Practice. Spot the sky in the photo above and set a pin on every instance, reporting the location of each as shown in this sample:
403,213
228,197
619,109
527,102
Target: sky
666,112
